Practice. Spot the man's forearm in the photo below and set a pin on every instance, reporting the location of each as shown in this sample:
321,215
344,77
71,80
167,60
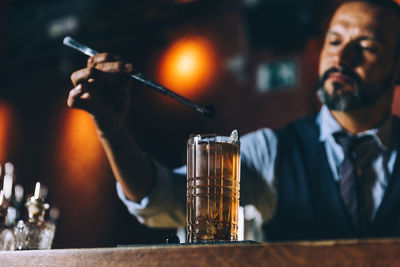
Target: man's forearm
131,167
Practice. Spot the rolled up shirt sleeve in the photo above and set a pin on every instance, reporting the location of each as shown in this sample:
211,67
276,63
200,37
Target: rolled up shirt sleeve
165,205
258,154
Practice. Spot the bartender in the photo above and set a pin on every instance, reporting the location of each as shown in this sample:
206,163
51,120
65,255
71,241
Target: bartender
334,174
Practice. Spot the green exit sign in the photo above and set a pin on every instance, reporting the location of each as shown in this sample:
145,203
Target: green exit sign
276,76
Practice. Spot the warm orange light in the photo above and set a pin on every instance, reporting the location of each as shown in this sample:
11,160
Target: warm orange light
188,66
5,127
82,174
396,101
81,151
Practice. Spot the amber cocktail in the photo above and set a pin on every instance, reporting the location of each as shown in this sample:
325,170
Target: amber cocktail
213,175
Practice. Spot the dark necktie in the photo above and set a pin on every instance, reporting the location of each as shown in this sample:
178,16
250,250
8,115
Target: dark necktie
357,177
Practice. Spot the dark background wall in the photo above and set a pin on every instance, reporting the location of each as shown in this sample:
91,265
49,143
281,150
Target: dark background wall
47,142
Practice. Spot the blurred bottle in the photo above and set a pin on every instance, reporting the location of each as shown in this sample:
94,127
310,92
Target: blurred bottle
14,200
15,211
36,233
7,239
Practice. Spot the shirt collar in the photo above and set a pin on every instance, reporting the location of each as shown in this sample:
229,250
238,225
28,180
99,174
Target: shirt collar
384,134
328,125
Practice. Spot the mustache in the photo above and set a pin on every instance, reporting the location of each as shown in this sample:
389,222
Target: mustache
349,73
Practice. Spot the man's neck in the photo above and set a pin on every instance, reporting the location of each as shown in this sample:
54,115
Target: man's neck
363,119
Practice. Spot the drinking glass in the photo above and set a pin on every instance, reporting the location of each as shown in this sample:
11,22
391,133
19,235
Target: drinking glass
213,176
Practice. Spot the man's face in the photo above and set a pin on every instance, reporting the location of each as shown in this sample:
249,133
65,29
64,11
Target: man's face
357,62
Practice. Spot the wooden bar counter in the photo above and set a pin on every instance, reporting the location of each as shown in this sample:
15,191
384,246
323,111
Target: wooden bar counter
325,253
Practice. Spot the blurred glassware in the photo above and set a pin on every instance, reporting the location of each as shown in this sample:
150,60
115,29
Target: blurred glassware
36,233
7,239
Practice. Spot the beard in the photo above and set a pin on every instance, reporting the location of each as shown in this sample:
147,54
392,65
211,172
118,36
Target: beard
340,100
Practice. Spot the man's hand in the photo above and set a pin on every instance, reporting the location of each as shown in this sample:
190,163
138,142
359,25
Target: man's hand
102,88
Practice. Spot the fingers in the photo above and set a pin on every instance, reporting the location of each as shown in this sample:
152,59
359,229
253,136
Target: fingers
73,95
78,92
100,71
100,58
100,84
83,75
80,97
109,63
114,67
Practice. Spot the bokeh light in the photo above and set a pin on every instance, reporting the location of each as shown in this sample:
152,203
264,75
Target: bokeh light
5,129
81,150
82,174
188,66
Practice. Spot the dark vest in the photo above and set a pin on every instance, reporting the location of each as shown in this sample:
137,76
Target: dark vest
309,204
